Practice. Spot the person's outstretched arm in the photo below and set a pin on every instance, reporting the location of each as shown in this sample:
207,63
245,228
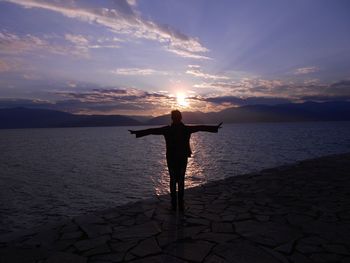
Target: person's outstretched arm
153,131
206,128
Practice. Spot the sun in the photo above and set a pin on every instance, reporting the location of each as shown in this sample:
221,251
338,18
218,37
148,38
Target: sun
181,100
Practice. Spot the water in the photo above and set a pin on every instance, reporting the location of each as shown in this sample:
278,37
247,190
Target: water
49,174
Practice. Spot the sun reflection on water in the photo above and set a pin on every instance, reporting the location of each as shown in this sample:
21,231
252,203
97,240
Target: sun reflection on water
194,172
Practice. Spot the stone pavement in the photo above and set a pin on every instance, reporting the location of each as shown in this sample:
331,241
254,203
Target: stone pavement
296,213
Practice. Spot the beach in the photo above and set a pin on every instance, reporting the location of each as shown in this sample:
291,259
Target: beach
292,213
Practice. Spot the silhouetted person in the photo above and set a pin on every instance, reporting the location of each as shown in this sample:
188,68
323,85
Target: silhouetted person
177,138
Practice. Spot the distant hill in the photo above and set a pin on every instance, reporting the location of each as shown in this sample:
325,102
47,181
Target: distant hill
42,118
290,112
140,118
189,117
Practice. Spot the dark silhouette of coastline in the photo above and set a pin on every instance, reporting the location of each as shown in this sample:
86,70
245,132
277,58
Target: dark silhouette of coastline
43,118
177,137
290,112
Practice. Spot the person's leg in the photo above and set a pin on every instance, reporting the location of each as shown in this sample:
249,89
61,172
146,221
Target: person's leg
181,183
172,173
173,194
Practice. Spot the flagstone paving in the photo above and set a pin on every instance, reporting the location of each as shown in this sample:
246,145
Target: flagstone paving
295,213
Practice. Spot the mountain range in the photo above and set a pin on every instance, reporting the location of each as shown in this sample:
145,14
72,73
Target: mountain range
290,112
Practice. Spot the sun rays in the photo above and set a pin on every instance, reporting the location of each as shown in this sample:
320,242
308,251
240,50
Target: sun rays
181,100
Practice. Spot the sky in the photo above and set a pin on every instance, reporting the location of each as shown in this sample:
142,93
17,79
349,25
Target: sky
142,57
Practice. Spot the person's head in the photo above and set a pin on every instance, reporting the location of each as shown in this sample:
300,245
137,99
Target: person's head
176,116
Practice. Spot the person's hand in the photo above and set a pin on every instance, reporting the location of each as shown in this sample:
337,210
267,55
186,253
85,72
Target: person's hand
219,125
132,132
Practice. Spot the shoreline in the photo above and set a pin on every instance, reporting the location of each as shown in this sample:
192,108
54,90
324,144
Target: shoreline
292,213
190,123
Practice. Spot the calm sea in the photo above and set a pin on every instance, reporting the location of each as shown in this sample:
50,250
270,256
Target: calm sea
49,174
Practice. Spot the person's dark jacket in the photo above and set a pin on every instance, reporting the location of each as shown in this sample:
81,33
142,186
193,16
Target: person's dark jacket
177,137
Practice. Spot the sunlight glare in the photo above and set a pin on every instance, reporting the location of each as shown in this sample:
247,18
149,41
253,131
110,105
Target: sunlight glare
181,100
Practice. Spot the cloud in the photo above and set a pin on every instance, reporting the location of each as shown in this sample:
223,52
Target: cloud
103,46
76,45
112,94
186,54
244,86
132,2
138,71
275,88
111,101
13,44
160,102
90,99
123,20
195,70
123,100
237,101
340,88
305,70
311,81
77,39
83,43
341,84
270,92
15,66
4,66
